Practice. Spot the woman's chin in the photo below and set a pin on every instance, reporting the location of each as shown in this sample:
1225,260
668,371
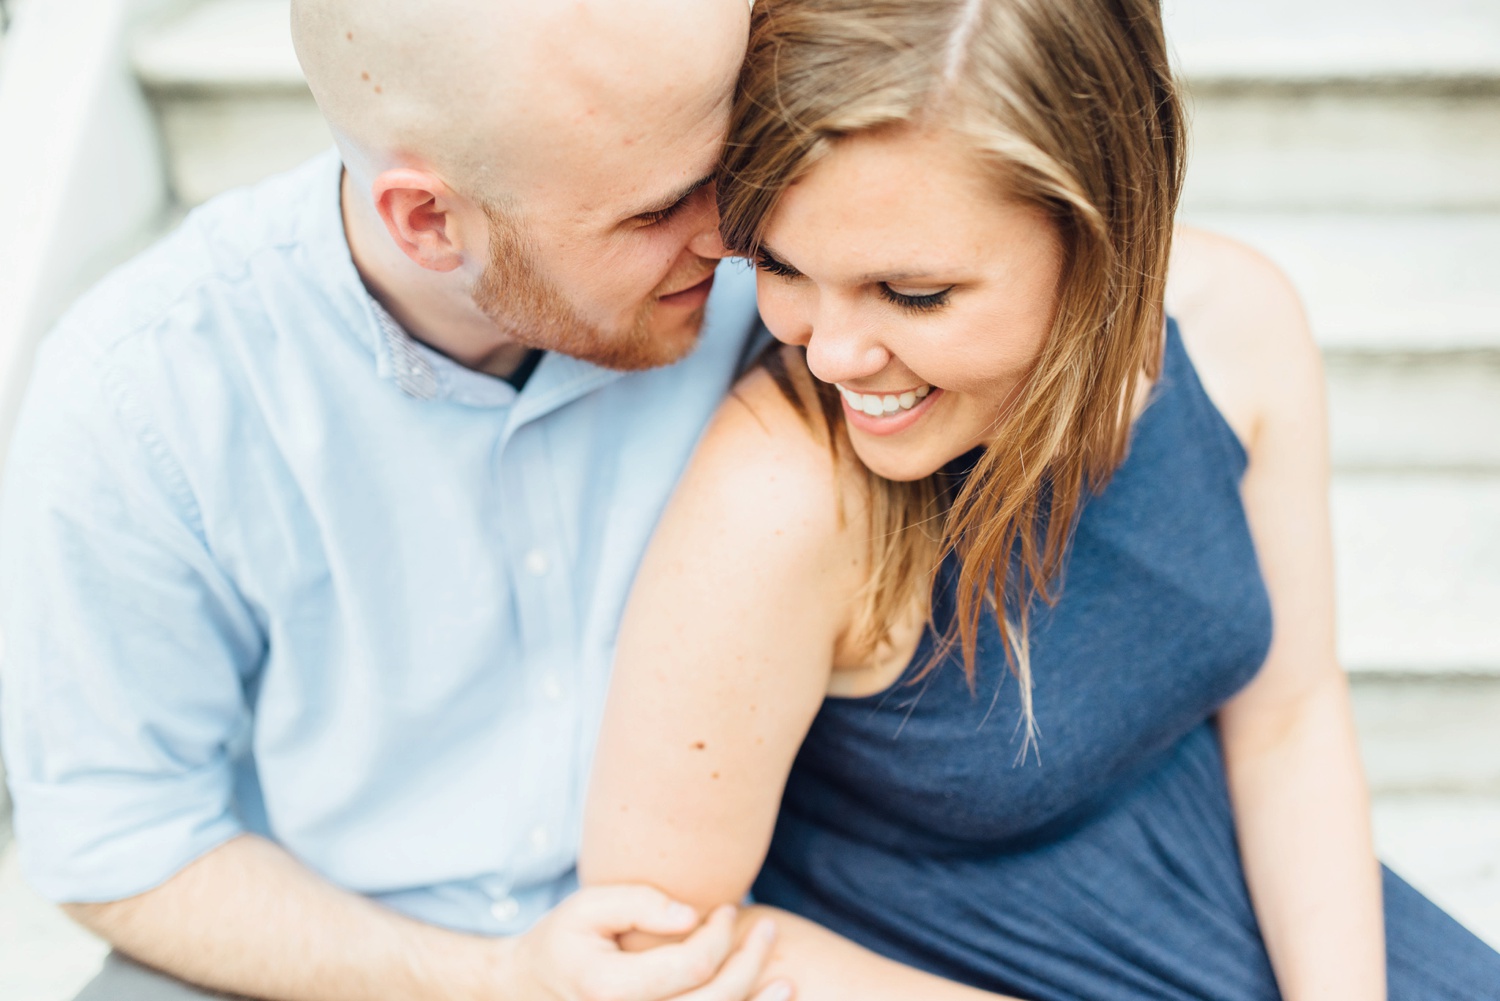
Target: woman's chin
893,462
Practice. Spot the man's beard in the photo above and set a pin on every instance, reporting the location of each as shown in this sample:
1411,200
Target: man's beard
533,312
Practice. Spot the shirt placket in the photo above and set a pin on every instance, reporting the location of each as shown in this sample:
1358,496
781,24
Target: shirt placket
536,547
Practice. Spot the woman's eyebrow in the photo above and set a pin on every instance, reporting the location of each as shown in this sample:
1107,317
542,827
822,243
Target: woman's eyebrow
893,276
871,276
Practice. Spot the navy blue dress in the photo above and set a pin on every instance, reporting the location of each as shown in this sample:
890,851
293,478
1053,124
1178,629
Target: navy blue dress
1107,870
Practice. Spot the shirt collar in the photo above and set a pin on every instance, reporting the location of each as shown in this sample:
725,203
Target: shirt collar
425,374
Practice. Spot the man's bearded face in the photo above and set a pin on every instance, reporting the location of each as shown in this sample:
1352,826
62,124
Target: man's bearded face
534,311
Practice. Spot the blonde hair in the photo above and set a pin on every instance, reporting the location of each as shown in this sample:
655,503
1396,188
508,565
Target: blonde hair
1072,105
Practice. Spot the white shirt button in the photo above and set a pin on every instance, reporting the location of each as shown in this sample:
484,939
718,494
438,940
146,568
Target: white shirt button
537,563
506,909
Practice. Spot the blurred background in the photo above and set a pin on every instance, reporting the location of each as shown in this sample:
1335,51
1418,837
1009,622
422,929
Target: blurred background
1356,142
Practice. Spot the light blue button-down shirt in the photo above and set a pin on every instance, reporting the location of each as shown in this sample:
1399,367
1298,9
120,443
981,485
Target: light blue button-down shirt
268,564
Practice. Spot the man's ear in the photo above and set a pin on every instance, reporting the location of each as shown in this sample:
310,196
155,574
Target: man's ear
418,210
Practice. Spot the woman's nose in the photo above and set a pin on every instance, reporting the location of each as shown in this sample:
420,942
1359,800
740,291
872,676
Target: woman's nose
840,349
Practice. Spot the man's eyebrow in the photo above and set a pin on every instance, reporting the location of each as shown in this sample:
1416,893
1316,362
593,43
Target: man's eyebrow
673,200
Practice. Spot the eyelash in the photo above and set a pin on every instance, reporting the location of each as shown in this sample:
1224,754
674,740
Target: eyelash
772,266
656,218
916,303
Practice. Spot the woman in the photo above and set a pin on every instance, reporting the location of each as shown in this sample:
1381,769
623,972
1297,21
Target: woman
1133,776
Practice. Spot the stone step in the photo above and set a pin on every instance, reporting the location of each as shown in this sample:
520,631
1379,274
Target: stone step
1311,106
1371,146
1407,309
43,955
1418,573
1294,41
1341,103
1424,735
230,95
1449,848
1275,42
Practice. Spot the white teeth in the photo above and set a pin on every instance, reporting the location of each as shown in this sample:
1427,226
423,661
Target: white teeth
884,404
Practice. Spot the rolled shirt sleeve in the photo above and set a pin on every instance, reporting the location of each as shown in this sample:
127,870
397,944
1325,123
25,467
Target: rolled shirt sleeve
127,650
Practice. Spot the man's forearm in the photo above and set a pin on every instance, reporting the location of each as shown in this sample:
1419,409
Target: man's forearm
827,967
248,919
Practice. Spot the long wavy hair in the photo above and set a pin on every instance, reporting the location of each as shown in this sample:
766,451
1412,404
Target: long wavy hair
1071,106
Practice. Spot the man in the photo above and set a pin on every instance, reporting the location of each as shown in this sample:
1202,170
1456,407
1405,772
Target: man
308,610
312,558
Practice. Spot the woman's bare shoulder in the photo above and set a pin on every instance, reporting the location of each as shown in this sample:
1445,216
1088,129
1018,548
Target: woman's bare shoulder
1244,326
782,407
765,466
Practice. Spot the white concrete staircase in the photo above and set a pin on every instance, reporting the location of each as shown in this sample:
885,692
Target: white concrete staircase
1358,145
1356,142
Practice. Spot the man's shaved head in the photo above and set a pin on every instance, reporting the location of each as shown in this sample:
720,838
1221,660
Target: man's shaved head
484,90
531,172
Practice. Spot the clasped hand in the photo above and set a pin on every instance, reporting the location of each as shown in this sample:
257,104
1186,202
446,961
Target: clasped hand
575,953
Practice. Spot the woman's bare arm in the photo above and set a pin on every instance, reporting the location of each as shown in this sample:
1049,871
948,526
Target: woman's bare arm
723,660
1301,806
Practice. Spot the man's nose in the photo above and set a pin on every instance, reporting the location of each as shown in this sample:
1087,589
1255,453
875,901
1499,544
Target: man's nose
706,241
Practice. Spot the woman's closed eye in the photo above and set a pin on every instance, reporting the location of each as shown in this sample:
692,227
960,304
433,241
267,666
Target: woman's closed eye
916,301
907,299
772,266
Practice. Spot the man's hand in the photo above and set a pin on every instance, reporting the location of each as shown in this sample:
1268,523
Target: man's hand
574,953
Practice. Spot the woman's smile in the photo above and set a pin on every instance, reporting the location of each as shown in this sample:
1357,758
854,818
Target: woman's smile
887,413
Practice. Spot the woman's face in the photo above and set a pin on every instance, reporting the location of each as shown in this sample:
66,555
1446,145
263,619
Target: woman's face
916,288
